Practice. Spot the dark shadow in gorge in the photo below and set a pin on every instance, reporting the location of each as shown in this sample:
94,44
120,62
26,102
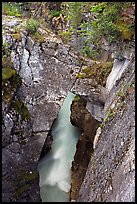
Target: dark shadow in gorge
81,118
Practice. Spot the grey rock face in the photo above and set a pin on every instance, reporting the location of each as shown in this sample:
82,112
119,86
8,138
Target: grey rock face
110,176
93,93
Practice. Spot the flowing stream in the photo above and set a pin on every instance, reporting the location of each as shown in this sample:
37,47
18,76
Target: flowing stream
55,168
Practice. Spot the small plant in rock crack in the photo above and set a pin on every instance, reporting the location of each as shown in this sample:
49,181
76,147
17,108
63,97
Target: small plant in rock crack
121,94
111,114
32,25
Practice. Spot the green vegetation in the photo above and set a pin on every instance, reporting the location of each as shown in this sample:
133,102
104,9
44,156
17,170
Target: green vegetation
75,13
17,35
55,13
8,72
121,94
38,37
7,67
22,189
11,9
10,78
97,71
76,98
89,53
20,108
65,36
109,21
6,52
24,181
28,176
110,114
32,25
80,76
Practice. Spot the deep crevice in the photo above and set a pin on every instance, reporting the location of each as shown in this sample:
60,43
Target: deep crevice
81,118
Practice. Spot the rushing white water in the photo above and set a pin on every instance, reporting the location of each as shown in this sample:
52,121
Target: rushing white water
117,70
55,168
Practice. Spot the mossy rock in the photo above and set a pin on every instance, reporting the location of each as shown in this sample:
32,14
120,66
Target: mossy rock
9,86
15,80
37,36
65,36
22,190
7,68
17,36
20,107
28,175
8,72
10,79
24,182
86,70
7,97
99,72
76,98
126,32
80,75
6,52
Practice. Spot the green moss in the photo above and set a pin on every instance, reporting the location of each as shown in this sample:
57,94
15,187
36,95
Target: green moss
38,37
32,25
15,80
10,79
20,107
76,98
65,36
125,30
8,72
22,189
55,13
86,70
6,52
99,72
110,114
102,125
80,75
17,36
25,114
11,9
7,97
24,181
28,176
121,94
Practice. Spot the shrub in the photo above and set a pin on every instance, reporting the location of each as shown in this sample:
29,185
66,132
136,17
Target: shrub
65,36
75,13
32,25
55,13
11,9
38,37
110,22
